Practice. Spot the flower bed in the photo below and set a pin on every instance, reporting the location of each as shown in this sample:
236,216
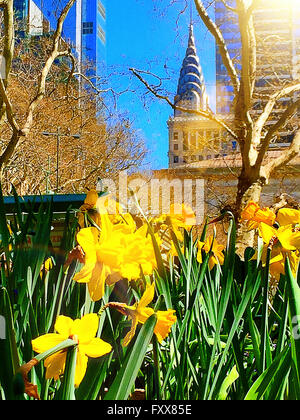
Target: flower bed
129,303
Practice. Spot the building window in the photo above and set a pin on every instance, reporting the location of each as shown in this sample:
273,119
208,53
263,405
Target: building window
175,136
87,28
175,146
101,9
101,34
176,159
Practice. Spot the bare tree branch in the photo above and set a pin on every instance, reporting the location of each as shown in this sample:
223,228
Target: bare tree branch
54,54
232,9
206,114
8,48
285,157
283,120
8,107
214,30
248,71
261,121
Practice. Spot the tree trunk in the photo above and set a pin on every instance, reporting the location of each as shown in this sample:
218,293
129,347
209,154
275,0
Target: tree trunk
247,191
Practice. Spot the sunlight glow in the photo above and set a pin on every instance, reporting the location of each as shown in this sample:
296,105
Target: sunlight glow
285,3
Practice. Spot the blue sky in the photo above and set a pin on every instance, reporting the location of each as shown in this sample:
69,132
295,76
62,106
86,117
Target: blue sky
151,34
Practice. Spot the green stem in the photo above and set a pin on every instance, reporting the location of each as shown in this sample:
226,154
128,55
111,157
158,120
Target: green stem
157,386
64,345
264,326
68,388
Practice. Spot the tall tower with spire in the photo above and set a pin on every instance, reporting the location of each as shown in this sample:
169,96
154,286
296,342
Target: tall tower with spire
191,92
190,133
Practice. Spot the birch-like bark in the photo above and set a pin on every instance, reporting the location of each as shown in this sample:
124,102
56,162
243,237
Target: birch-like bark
7,107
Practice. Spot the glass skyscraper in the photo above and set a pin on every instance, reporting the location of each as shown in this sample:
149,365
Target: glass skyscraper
84,27
21,8
277,30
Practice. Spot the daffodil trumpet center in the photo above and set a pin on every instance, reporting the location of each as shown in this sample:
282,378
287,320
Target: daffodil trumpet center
74,337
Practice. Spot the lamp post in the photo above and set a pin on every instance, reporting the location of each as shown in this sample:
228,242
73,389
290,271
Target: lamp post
58,135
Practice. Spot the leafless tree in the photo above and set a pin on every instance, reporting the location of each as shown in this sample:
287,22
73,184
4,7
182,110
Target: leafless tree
250,129
40,93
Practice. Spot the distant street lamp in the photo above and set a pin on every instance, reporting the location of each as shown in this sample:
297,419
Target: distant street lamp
58,135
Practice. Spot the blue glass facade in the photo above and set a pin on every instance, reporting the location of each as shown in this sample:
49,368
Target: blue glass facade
84,27
21,8
277,29
228,24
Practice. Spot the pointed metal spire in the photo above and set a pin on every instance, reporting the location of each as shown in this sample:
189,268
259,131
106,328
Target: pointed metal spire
191,12
191,86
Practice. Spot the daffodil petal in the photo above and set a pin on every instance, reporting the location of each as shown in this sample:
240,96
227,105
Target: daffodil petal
85,274
129,336
86,328
107,227
147,296
81,366
288,216
88,240
96,347
96,284
46,342
55,365
200,245
91,198
289,239
249,210
165,320
267,232
130,271
144,314
63,325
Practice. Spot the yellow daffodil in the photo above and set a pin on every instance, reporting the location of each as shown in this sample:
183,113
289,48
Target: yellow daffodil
277,264
140,312
254,215
89,208
47,266
94,206
10,233
217,251
285,241
113,254
181,216
288,236
81,330
277,260
101,258
138,253
288,217
106,204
